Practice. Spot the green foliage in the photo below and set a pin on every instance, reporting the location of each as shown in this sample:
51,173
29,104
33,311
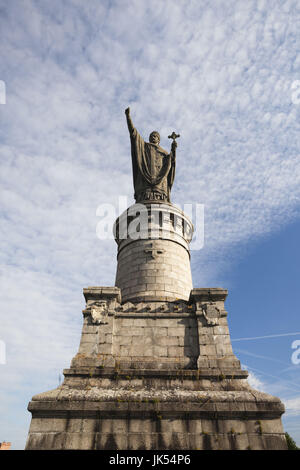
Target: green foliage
290,442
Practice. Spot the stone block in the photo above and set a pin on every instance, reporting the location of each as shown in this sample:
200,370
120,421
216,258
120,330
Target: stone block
124,322
105,349
206,339
89,338
207,350
175,331
256,442
141,350
175,351
140,322
117,426
160,351
109,441
232,426
136,331
89,329
48,425
223,349
156,331
166,322
88,425
124,350
108,338
203,362
142,341
220,330
121,340
86,348
168,341
142,426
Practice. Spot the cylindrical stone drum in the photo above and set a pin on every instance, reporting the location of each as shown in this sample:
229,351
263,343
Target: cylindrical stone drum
153,253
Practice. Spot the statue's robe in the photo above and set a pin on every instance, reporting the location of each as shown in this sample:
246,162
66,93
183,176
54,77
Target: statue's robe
153,170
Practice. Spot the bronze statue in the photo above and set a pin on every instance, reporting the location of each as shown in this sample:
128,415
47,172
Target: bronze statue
153,167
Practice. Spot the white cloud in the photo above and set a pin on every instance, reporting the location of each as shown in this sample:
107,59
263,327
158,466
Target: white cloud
254,381
292,406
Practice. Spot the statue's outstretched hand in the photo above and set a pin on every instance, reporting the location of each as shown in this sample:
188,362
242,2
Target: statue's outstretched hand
127,111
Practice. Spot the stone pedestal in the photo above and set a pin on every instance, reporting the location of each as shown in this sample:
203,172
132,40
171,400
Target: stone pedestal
156,265
155,367
155,375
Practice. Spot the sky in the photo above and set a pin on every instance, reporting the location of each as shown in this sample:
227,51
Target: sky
221,74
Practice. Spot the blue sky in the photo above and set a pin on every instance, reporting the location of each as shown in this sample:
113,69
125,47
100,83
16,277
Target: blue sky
220,74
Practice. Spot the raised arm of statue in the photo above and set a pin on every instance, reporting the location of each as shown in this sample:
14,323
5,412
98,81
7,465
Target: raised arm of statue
174,144
130,125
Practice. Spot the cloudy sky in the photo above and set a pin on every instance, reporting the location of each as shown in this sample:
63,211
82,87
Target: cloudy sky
223,75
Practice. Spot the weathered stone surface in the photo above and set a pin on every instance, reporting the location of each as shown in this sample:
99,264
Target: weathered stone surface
156,269
145,391
155,367
179,419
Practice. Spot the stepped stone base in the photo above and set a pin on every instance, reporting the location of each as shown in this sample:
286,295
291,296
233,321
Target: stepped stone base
155,410
155,375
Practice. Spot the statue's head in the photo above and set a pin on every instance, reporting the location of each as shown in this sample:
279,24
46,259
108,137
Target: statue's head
154,137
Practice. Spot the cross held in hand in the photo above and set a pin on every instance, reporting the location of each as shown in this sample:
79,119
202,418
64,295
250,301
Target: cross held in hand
173,136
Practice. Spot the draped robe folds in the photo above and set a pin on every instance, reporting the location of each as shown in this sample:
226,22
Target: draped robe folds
153,170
